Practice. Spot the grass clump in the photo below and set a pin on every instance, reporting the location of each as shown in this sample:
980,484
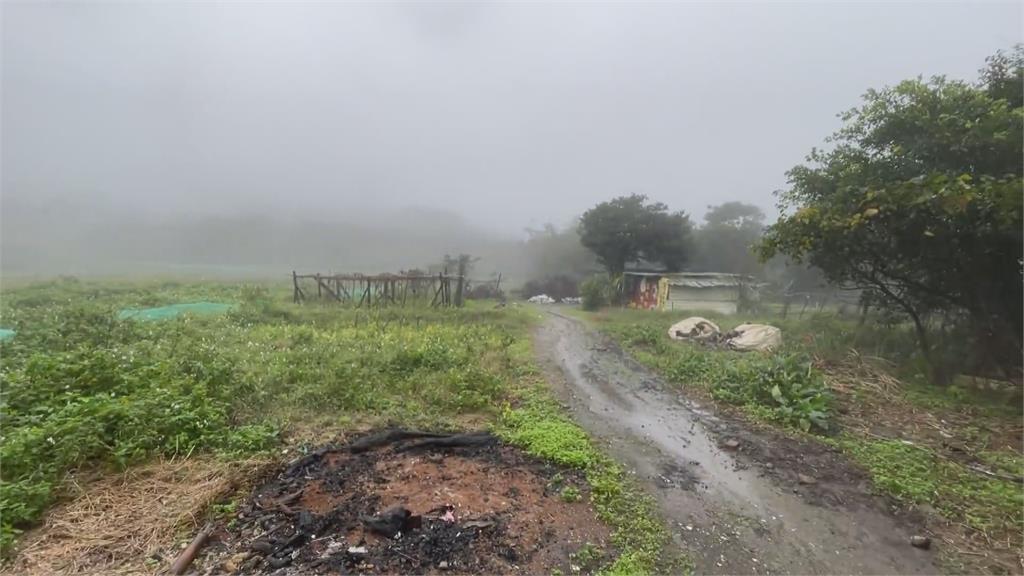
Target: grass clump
541,431
570,494
916,475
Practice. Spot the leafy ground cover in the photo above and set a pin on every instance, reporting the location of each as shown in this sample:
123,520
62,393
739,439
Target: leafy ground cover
954,452
81,389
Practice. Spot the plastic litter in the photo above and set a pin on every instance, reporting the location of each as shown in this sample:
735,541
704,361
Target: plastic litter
174,310
693,327
541,299
754,337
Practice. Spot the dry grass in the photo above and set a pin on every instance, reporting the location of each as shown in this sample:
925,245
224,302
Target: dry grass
858,372
875,407
114,524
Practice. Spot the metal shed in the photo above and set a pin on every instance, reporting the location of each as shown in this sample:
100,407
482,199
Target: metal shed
709,291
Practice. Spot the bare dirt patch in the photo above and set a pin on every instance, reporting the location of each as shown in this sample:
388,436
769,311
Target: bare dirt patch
408,505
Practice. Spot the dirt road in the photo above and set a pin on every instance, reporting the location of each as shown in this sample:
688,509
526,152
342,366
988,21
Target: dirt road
738,500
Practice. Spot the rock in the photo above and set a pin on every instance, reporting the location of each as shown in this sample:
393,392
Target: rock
922,542
232,564
357,550
769,465
805,479
262,546
443,564
333,548
731,444
388,523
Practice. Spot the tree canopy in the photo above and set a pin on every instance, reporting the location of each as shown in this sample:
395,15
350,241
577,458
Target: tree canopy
919,202
725,242
629,227
551,251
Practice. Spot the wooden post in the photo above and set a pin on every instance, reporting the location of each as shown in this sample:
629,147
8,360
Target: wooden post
323,284
362,296
460,279
437,294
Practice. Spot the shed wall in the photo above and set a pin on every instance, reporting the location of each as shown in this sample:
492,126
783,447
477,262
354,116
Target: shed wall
721,299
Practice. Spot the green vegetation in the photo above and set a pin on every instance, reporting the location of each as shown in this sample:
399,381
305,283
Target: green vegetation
570,494
782,387
722,243
919,203
81,387
624,229
587,557
916,475
595,292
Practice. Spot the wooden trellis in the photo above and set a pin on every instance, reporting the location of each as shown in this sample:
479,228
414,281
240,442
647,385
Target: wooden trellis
440,290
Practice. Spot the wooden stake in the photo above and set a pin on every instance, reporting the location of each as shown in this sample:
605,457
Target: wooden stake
189,554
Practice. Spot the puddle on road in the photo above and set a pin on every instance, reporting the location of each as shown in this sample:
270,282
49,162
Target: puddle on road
637,406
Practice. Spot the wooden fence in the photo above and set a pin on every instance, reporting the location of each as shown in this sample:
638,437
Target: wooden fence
441,290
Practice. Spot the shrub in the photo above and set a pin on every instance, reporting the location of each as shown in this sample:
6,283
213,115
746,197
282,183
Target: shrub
596,292
484,291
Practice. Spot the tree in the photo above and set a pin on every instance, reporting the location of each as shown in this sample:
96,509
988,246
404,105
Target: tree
553,252
920,203
629,227
725,242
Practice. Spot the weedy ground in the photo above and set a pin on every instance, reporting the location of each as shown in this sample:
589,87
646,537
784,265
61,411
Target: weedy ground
82,392
953,452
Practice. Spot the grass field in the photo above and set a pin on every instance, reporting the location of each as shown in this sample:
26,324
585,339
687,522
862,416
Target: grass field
82,389
922,445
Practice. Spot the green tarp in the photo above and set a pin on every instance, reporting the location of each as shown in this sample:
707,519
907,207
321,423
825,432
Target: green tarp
165,312
6,334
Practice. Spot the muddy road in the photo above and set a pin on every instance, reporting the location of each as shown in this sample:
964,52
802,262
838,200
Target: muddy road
738,500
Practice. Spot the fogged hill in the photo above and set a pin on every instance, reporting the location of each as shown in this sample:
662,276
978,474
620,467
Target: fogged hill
38,241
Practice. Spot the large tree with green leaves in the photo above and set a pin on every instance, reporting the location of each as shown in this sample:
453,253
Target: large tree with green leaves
629,227
919,202
725,242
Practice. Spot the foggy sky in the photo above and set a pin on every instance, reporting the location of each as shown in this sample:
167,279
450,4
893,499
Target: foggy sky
510,115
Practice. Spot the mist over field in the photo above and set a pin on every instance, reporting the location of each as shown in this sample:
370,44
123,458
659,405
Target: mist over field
253,139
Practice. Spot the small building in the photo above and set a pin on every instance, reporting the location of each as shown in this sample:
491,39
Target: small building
709,291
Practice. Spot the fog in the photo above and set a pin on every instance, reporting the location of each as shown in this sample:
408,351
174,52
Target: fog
258,138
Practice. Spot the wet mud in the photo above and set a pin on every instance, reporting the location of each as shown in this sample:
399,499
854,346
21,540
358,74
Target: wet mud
738,499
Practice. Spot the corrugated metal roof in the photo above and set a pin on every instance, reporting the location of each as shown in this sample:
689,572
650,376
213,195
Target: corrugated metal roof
705,282
698,279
